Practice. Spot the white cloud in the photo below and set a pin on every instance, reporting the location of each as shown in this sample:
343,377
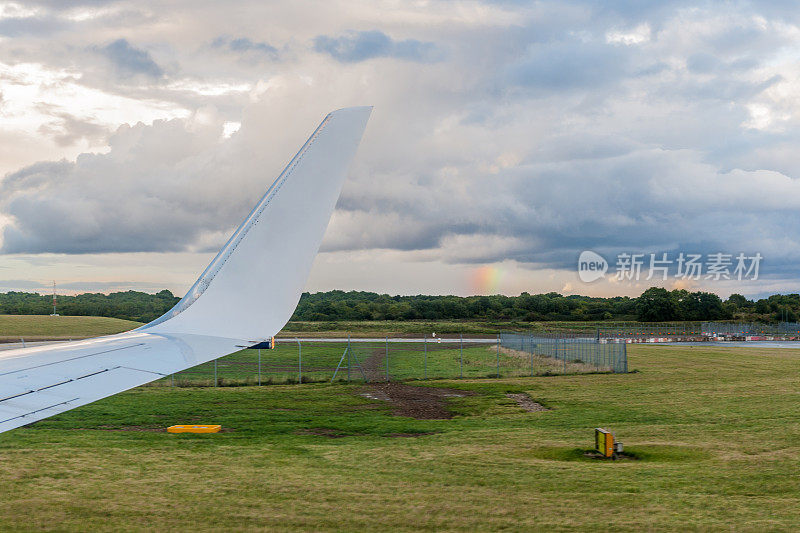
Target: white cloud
637,35
15,10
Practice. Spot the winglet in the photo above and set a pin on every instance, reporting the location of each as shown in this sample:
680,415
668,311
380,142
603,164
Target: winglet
250,289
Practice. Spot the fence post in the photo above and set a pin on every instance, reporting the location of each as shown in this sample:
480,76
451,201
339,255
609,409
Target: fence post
461,355
215,372
300,359
348,359
425,344
387,357
172,380
625,357
530,346
498,355
259,367
565,356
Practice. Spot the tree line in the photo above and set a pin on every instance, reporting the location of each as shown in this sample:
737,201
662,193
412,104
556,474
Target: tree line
653,305
129,305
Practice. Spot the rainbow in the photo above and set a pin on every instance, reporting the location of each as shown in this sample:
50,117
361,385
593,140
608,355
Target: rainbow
485,280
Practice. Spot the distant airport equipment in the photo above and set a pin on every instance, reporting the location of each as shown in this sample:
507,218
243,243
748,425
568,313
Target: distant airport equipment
605,444
194,429
245,296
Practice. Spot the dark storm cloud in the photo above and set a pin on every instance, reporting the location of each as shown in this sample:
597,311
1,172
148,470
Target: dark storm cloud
356,46
121,201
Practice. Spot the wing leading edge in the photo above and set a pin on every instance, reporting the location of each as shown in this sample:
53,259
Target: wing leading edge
245,295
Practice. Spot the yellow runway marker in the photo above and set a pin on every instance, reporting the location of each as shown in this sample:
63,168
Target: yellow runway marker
194,429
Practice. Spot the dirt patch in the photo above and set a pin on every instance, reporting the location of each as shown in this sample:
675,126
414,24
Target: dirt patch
375,365
423,403
526,402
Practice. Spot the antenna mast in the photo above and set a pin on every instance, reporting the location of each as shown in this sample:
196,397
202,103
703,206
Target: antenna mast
54,299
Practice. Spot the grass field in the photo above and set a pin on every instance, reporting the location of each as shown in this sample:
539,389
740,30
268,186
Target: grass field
715,433
37,327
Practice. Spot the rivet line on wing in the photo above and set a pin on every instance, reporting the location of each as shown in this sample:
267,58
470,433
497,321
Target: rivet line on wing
38,410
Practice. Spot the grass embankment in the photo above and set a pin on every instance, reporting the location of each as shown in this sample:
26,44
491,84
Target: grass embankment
43,327
715,431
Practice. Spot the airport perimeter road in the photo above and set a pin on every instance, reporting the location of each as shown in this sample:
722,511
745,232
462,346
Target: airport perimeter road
436,340
285,340
470,340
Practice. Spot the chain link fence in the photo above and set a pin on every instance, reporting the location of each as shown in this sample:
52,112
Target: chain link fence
372,360
633,331
567,354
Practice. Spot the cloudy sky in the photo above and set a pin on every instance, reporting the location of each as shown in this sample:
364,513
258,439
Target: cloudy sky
506,138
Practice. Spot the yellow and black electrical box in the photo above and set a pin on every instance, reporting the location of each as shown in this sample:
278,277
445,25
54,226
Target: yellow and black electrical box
604,442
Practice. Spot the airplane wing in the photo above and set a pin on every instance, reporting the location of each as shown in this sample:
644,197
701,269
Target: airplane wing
246,294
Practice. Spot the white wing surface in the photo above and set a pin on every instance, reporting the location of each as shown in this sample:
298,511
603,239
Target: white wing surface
245,295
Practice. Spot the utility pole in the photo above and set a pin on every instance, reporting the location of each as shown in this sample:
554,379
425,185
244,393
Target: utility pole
54,299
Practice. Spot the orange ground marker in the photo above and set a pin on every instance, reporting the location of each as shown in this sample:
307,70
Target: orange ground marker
194,429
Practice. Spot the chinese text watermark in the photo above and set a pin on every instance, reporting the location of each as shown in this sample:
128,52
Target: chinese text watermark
662,266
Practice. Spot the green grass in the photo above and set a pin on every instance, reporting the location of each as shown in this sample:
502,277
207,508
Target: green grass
36,327
714,433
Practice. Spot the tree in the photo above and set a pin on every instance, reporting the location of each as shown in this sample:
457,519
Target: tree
656,305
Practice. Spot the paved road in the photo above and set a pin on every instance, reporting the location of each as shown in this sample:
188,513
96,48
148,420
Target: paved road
471,340
304,340
474,340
